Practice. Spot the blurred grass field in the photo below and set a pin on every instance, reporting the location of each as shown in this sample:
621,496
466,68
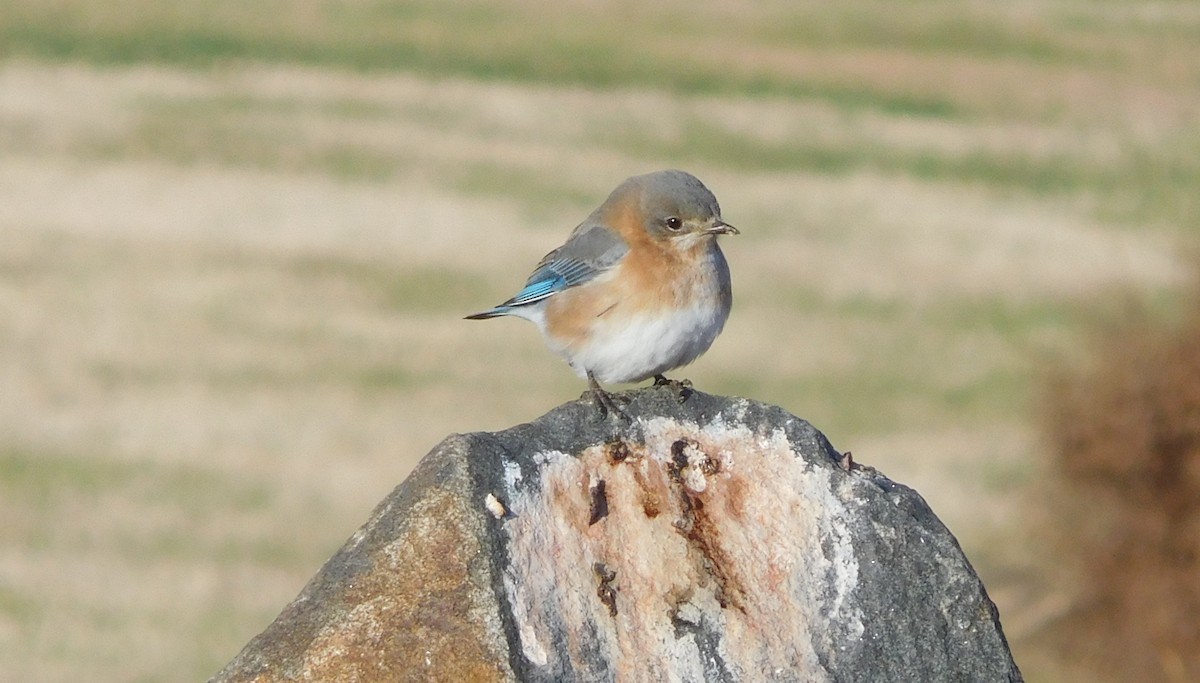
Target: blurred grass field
237,239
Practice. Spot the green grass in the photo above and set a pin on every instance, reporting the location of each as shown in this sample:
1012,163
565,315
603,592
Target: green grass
961,361
669,47
46,479
403,289
40,477
1145,181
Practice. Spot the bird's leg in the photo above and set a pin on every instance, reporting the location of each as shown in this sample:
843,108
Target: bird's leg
605,400
682,387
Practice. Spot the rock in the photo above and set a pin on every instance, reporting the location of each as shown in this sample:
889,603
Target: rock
713,539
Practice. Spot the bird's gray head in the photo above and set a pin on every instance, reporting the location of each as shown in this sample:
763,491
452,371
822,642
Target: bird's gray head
674,205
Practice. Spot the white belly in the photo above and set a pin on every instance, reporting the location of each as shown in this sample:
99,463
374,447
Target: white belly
642,346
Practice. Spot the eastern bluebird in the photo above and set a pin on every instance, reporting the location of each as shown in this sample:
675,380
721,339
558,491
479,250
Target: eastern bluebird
639,288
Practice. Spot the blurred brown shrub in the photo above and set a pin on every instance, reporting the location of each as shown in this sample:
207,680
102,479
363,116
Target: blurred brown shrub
1125,426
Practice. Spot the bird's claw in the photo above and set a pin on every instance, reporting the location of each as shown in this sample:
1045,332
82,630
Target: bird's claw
608,405
682,387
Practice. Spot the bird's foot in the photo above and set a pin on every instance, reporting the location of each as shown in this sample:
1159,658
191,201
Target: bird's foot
608,405
682,387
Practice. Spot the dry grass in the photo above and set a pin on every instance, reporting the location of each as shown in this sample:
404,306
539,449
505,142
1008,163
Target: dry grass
230,291
1125,426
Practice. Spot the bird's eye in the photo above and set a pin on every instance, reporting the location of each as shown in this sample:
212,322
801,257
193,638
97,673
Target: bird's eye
674,224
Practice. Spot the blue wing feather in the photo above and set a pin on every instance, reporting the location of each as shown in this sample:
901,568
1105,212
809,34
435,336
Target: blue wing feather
539,289
591,250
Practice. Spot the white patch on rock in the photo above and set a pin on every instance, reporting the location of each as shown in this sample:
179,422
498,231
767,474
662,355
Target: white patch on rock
531,647
720,527
512,474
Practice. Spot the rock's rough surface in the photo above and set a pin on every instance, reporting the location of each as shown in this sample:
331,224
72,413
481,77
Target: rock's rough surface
713,539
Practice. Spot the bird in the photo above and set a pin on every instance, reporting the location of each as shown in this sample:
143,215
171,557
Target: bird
639,288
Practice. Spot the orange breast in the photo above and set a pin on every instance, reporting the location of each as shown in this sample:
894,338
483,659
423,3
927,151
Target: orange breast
652,276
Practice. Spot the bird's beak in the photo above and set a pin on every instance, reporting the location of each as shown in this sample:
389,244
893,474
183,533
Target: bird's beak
722,228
